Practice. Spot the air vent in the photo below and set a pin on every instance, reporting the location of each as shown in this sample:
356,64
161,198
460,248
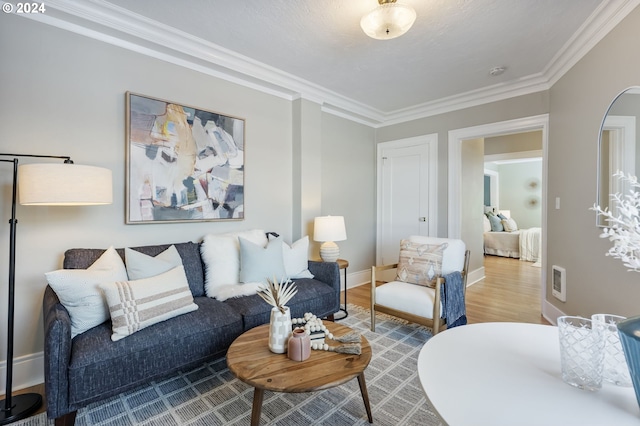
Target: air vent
559,280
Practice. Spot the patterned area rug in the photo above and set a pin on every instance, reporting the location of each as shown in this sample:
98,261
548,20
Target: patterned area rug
211,395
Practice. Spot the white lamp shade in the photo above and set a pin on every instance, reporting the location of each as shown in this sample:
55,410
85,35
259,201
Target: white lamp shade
387,21
64,185
329,228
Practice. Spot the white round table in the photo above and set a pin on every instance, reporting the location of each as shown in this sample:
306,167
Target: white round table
509,374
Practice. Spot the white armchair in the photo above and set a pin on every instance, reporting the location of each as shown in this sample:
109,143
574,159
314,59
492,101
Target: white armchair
418,303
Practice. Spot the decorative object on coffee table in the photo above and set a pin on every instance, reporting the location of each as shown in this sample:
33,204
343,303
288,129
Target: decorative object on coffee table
299,345
317,331
277,294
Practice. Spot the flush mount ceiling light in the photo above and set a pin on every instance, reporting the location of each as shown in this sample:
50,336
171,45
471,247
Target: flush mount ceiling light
388,20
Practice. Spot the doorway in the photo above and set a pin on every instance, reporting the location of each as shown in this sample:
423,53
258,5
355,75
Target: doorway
456,139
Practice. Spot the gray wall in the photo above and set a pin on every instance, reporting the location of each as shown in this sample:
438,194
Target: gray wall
472,200
348,186
64,94
578,101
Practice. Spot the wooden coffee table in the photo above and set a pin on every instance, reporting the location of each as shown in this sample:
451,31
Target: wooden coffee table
251,361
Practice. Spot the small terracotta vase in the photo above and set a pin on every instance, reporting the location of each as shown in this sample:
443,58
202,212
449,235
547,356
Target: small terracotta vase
299,345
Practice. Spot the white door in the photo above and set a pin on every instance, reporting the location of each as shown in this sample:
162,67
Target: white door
406,193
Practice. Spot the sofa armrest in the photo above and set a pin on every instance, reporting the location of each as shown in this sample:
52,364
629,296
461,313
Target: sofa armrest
57,353
328,273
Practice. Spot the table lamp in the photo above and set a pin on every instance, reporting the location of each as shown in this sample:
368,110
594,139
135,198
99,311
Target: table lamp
61,184
329,229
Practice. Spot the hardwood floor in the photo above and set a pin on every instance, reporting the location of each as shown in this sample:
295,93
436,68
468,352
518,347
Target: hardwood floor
510,291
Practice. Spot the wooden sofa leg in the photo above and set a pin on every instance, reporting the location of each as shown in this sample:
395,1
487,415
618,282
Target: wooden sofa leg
68,419
330,318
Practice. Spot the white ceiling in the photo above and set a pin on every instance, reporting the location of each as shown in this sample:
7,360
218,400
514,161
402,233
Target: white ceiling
316,49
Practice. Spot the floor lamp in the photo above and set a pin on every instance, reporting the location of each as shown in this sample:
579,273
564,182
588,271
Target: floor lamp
59,184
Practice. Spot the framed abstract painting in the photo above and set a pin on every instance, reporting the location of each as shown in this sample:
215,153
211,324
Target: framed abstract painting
183,163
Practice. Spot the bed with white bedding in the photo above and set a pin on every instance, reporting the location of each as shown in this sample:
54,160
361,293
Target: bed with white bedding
505,244
523,244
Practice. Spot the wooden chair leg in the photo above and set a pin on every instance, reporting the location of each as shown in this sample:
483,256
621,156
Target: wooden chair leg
373,298
373,320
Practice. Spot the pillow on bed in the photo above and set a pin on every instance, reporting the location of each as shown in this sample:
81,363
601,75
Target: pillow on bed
509,225
486,224
496,224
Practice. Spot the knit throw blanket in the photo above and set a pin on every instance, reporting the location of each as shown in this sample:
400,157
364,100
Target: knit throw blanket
453,300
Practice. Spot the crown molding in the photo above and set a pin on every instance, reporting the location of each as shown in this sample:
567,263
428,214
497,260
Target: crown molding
112,24
605,18
485,95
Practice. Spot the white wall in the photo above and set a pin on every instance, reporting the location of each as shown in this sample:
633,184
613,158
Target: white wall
521,191
64,94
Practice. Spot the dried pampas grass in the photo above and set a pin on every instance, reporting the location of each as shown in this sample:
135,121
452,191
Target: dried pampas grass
278,293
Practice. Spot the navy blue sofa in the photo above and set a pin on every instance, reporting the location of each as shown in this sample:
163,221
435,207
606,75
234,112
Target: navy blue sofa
91,367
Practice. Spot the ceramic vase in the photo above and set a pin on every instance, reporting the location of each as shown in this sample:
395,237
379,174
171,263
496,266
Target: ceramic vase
629,331
279,330
299,345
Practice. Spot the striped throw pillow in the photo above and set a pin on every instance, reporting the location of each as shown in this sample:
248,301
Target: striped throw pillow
134,305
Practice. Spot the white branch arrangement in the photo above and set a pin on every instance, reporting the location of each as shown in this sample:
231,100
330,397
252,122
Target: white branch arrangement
624,228
278,293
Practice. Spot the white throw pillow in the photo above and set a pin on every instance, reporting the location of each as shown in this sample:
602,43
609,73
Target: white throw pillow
296,258
138,304
509,225
259,264
221,257
140,265
79,292
487,224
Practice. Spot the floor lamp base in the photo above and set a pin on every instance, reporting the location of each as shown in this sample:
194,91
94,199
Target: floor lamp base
23,406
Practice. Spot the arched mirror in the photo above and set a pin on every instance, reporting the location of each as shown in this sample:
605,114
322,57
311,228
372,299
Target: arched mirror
618,146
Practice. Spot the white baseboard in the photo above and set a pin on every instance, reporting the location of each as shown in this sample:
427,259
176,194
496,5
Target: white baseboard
551,313
475,276
356,279
28,370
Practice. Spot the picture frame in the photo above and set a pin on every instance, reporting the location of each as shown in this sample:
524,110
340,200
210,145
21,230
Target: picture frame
183,164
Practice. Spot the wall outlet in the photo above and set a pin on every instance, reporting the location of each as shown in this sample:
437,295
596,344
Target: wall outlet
559,283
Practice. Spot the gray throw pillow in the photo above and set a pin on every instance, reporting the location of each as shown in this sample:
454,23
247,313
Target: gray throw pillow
496,224
257,263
